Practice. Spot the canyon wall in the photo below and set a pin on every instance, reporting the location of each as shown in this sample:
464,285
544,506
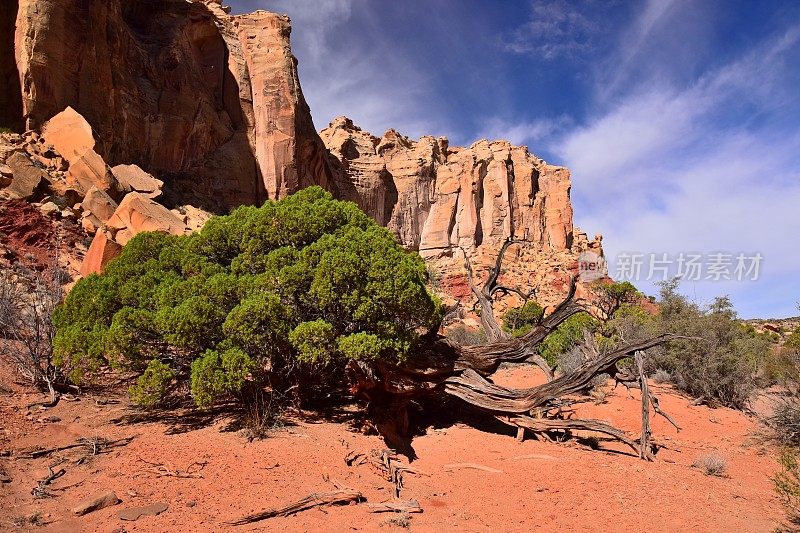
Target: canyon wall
210,105
208,101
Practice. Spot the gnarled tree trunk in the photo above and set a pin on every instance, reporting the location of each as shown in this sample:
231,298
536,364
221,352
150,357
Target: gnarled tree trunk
444,367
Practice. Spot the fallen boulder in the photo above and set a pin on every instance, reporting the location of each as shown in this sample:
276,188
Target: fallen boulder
99,203
137,213
28,178
71,135
100,253
133,178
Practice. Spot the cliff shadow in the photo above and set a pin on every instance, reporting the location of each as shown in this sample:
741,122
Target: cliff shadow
11,116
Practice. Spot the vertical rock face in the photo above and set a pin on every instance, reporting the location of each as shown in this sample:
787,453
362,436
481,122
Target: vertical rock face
208,101
436,198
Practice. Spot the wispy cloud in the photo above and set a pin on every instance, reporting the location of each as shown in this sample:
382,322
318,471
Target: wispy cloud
555,29
354,72
316,20
529,133
667,170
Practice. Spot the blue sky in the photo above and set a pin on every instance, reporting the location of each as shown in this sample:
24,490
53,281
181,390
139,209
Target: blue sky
680,120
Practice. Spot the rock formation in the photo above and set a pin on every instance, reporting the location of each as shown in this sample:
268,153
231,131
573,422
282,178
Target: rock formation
436,198
133,108
446,201
207,101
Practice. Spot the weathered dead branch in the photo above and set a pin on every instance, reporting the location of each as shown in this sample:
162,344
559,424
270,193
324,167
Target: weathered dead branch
317,499
387,464
40,490
395,506
167,470
94,446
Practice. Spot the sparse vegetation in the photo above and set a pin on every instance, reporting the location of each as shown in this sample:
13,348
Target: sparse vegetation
27,301
661,376
787,484
466,336
520,320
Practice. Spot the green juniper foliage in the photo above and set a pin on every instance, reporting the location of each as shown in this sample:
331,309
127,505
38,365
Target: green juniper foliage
287,291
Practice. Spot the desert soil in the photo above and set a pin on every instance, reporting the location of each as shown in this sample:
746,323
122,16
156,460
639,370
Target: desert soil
532,485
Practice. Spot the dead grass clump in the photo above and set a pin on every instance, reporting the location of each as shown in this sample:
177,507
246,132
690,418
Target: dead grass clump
35,519
401,520
712,464
261,416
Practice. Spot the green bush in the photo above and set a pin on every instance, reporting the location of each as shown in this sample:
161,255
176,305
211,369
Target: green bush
793,340
279,293
152,385
521,320
567,335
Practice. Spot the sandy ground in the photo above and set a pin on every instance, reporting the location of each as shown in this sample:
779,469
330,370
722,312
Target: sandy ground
541,486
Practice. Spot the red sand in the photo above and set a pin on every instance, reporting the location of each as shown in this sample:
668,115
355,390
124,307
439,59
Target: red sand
542,486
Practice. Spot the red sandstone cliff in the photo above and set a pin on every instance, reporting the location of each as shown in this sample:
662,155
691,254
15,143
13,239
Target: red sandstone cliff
208,101
210,104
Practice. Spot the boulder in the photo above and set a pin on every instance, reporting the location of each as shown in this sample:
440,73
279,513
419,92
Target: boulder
90,223
101,251
137,213
132,178
48,208
28,178
71,135
99,203
5,175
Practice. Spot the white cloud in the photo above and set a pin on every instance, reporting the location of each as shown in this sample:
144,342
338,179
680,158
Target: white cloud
660,171
528,133
356,73
556,29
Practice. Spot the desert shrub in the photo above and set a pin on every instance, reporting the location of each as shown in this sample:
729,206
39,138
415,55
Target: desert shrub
287,292
568,334
721,360
520,320
793,340
787,484
466,336
27,301
152,385
609,297
712,464
785,422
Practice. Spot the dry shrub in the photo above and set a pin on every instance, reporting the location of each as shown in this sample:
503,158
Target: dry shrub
661,376
27,302
712,464
785,422
466,336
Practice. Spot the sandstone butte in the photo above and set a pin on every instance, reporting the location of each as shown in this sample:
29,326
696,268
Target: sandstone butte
209,104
